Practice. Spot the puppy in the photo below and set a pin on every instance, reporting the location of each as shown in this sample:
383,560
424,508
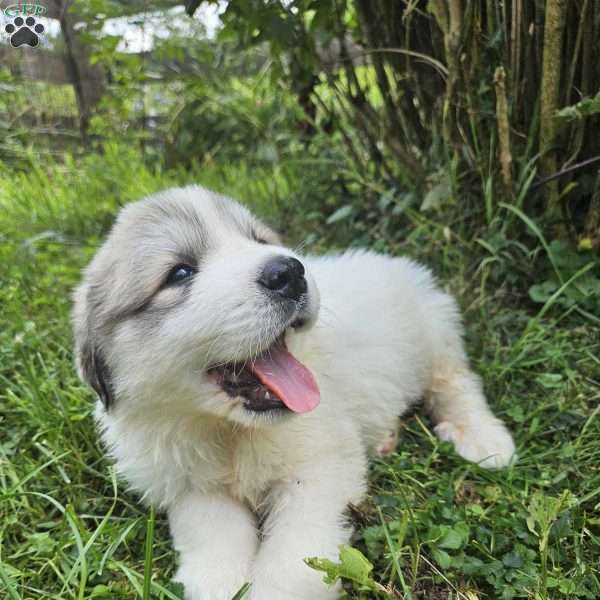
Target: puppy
241,383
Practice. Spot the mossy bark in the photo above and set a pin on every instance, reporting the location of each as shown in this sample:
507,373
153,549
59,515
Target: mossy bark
550,98
503,130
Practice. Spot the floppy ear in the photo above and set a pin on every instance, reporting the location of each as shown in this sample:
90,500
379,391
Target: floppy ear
94,371
89,359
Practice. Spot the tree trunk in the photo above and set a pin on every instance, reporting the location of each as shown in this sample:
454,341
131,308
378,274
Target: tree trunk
89,80
550,98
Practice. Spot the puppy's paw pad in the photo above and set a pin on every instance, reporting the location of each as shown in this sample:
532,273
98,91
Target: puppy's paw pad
489,445
388,443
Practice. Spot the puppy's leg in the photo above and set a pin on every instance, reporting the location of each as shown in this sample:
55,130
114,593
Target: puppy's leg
306,520
217,540
458,406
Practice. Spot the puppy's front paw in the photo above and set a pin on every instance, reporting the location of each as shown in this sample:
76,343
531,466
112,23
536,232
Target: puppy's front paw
222,584
289,580
487,443
281,592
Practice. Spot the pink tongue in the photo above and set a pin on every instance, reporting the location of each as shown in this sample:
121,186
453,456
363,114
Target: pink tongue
288,379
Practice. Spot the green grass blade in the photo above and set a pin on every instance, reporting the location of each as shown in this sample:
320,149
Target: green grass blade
536,230
8,586
148,554
395,554
69,514
559,292
96,533
242,591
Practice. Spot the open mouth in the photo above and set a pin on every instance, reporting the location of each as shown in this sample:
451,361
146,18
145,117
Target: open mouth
274,380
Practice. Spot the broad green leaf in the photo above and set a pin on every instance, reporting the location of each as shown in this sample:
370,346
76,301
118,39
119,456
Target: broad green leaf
584,108
541,292
353,565
439,195
455,538
513,560
441,557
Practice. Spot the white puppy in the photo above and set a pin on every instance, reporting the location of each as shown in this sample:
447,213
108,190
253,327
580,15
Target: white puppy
241,384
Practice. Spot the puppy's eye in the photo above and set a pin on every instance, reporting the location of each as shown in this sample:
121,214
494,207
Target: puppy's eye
179,273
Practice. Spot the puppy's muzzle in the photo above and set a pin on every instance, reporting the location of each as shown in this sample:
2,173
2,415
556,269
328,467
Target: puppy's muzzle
284,275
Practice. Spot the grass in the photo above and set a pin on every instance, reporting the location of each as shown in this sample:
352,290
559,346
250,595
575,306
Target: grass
433,525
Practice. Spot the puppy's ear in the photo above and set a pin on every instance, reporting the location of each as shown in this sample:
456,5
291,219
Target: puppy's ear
94,371
90,362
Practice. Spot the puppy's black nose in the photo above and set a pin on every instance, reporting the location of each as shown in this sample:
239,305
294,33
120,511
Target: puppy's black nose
285,276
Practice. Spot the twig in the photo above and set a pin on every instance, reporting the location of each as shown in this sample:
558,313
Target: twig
436,64
575,167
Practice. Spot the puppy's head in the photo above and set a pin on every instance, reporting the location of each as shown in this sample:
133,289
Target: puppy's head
186,306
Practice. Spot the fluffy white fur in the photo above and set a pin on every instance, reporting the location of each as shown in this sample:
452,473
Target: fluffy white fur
380,336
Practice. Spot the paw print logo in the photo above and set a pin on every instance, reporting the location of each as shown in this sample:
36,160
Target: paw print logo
24,31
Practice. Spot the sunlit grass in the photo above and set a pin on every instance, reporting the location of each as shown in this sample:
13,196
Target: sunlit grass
444,528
